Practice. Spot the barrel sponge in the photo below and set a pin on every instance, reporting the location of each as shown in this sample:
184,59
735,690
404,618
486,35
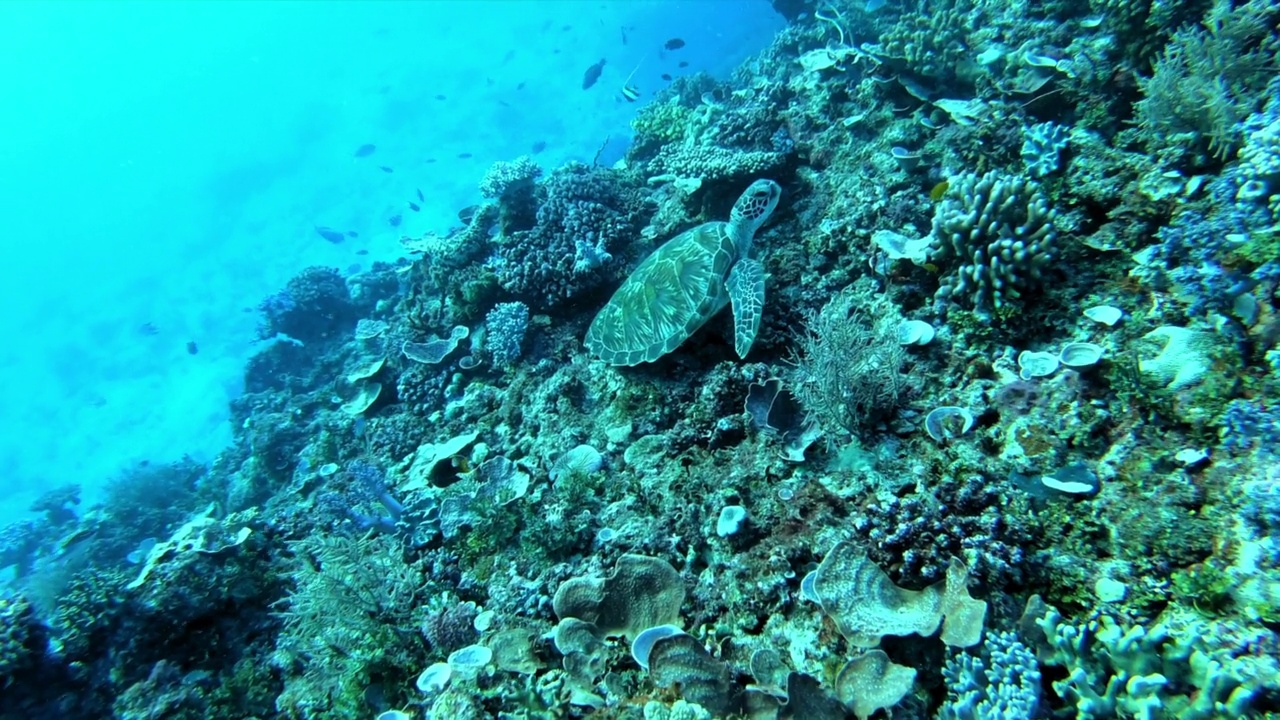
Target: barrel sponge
641,593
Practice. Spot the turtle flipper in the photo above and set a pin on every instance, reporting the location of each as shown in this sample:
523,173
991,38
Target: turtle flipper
746,292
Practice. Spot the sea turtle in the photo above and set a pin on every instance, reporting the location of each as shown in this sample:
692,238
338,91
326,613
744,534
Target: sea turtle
686,281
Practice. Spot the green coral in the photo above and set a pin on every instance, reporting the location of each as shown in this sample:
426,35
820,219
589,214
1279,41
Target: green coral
661,124
1210,79
21,636
350,621
1203,587
1263,246
932,45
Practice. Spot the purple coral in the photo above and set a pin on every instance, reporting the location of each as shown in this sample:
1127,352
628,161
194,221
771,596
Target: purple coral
968,519
585,220
314,306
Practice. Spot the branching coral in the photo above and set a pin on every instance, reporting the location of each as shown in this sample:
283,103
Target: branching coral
349,612
849,367
996,234
1211,78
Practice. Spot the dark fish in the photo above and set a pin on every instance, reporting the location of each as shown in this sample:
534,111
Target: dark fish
566,28
592,76
430,160
147,328
354,269
362,252
352,233
684,63
624,35
463,156
539,146
504,103
421,197
394,220
520,86
330,234
385,169
440,97
192,348
673,44
467,213
666,77
414,207
366,150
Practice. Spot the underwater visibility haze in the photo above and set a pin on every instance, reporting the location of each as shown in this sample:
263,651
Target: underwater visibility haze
660,360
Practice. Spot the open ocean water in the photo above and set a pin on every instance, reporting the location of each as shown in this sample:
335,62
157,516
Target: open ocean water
640,359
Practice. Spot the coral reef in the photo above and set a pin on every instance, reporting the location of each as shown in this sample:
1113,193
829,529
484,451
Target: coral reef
1020,340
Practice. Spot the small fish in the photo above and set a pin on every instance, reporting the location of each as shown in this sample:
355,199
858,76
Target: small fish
464,156
666,77
192,348
520,86
939,190
365,150
624,35
539,146
330,234
353,234
362,251
430,160
414,207
441,97
421,197
148,328
673,44
504,103
592,75
385,169
394,220
566,28
354,269
684,63
467,213
630,92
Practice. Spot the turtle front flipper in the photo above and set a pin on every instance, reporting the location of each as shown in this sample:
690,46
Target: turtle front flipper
746,292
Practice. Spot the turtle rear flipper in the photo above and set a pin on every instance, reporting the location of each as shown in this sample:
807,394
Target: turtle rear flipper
746,292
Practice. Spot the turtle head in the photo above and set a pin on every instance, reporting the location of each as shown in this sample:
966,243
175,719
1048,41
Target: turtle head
754,207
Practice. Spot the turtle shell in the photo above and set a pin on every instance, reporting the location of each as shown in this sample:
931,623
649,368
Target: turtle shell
667,298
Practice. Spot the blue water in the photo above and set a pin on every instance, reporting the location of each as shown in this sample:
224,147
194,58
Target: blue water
165,165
